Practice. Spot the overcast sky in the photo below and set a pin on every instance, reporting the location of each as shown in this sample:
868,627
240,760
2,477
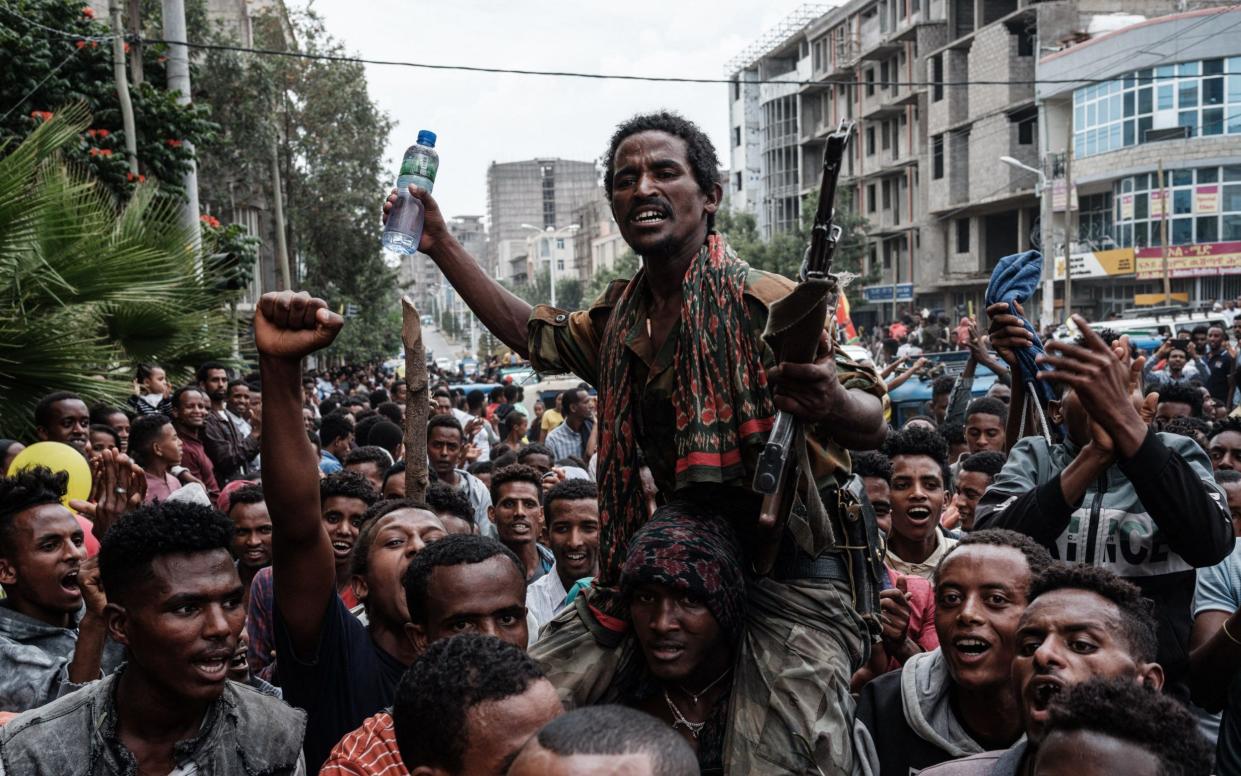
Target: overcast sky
484,117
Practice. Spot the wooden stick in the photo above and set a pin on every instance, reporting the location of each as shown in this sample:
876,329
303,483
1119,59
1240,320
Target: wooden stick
417,402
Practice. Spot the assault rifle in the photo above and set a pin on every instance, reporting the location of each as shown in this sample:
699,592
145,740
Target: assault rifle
794,325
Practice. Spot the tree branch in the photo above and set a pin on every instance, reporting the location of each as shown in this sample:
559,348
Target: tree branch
417,402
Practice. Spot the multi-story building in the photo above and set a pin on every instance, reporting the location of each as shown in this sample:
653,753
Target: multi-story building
598,243
940,91
421,279
537,193
1158,99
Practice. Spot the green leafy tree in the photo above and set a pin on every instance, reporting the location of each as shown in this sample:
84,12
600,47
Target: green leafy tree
624,268
45,70
783,253
87,288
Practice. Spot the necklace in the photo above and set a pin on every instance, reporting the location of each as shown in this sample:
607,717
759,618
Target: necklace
679,720
696,695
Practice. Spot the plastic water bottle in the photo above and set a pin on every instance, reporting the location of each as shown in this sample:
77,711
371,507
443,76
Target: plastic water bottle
418,168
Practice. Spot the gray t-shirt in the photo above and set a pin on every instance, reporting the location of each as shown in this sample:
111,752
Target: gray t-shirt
1219,590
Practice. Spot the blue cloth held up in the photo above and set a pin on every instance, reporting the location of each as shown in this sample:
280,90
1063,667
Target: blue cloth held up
1014,280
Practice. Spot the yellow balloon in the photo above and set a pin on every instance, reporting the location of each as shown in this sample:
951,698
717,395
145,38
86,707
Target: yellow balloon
59,458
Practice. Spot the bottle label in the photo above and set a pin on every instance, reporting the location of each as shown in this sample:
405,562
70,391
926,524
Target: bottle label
420,164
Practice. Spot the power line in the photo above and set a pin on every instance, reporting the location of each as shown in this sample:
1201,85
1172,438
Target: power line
571,73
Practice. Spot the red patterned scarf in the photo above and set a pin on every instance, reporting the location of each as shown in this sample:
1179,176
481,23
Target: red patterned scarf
721,400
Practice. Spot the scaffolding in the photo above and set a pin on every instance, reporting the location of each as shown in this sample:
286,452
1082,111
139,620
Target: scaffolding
799,19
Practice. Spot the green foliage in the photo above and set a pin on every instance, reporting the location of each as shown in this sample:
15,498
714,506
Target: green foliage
783,253
45,71
230,253
626,267
569,291
86,289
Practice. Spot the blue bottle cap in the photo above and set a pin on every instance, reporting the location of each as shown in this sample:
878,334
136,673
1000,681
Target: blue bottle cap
426,138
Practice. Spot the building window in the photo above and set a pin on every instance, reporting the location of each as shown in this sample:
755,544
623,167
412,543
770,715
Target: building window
870,82
737,136
870,141
937,78
1025,45
884,76
1094,220
737,181
937,157
1025,129
1203,206
1202,96
885,135
963,235
870,198
887,194
736,89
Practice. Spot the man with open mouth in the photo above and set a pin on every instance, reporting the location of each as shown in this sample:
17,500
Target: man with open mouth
517,513
51,641
916,543
571,513
1082,622
174,602
958,700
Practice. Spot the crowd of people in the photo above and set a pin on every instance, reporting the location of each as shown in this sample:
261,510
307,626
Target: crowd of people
587,585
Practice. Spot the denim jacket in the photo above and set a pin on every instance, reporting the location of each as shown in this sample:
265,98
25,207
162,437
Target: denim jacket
35,657
245,733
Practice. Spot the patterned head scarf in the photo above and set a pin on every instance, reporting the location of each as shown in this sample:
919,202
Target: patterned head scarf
688,548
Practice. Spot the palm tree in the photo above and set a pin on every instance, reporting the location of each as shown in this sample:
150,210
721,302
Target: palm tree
88,288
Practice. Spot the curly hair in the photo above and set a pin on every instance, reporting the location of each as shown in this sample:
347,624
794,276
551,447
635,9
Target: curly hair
143,433
445,421
1229,423
872,463
43,410
155,530
333,426
570,490
27,488
349,485
174,404
1140,716
391,411
360,560
987,462
953,432
453,550
1177,393
987,405
101,413
1038,559
369,454
919,441
942,385
445,498
700,152
246,494
515,473
534,448
442,686
1137,622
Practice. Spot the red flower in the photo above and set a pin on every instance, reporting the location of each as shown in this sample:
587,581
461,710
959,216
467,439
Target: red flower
126,47
104,152
88,12
94,152
172,143
91,132
80,43
41,115
103,133
210,221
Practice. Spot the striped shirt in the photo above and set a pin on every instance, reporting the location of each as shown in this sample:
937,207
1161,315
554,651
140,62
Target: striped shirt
370,750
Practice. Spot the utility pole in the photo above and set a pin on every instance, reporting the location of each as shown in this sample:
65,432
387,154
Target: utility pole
1163,236
122,87
1070,226
179,81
